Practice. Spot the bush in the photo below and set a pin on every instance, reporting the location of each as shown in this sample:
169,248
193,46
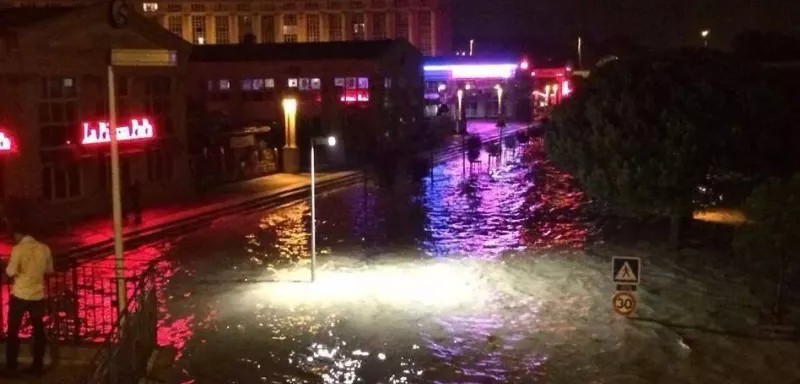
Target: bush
768,243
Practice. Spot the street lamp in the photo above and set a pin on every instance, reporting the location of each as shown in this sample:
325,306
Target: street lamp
499,100
704,34
460,95
329,141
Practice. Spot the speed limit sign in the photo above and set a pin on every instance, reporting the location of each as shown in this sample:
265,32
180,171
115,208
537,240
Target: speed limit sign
624,303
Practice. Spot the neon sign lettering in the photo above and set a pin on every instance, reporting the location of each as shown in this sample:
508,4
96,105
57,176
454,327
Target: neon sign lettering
6,145
360,96
136,130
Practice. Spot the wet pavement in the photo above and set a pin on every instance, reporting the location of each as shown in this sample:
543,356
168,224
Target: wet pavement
493,276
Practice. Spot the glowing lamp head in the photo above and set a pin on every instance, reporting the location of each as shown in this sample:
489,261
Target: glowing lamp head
290,106
468,87
441,87
524,65
705,33
331,141
460,93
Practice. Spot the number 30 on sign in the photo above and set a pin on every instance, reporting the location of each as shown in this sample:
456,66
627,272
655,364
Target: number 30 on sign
624,303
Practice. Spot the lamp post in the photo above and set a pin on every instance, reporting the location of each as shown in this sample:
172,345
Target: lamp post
329,141
460,95
471,46
499,100
704,34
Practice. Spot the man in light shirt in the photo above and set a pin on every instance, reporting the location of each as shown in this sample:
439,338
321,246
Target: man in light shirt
30,261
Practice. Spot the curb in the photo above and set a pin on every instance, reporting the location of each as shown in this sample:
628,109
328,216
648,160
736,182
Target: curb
145,235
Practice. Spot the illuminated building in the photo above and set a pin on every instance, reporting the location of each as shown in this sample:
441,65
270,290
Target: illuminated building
426,24
54,111
358,91
490,87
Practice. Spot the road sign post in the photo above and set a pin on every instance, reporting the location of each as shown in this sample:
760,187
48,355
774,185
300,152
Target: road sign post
626,273
624,303
125,58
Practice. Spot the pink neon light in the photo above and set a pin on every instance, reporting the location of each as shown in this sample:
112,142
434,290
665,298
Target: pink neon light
360,96
136,130
6,144
524,65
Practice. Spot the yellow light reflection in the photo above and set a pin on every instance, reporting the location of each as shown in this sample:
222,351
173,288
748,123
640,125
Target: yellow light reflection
727,216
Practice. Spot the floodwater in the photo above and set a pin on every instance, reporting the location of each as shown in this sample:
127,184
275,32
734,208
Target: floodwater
491,275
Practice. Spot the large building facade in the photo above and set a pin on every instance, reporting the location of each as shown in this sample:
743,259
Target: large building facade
54,113
362,93
426,24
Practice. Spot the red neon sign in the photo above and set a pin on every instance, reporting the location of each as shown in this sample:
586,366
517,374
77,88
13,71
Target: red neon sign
136,130
6,144
355,96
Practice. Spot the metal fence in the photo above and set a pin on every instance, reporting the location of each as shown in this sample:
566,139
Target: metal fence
81,302
132,339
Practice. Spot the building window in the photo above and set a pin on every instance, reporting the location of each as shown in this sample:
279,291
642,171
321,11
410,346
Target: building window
268,29
150,7
243,7
258,89
218,90
425,36
338,82
173,7
289,38
401,25
312,28
158,102
335,27
387,82
292,83
357,26
245,24
316,84
222,29
61,181
304,84
220,8
198,29
175,24
350,83
198,8
58,118
159,166
379,26
363,83
290,25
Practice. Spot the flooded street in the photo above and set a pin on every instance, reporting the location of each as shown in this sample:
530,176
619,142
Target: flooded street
489,278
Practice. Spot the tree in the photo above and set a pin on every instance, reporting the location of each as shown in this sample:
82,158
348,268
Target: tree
643,133
768,242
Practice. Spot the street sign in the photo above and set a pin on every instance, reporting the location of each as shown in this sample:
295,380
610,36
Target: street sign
626,270
624,303
143,58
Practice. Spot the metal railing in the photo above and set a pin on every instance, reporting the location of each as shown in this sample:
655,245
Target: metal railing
80,302
128,345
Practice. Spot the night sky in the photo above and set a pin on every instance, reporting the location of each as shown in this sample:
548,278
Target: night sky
647,22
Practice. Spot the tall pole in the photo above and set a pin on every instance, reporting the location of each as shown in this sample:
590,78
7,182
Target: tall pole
116,199
313,218
471,46
580,53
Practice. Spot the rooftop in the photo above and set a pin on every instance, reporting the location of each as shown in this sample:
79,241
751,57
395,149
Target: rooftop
20,17
342,50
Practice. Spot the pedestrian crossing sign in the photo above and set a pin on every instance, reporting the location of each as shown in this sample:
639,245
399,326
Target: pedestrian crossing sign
626,270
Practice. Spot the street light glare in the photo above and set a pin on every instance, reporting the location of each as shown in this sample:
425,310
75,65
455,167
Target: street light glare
704,33
331,141
290,105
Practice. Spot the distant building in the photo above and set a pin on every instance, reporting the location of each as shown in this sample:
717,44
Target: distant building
363,92
426,24
54,107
